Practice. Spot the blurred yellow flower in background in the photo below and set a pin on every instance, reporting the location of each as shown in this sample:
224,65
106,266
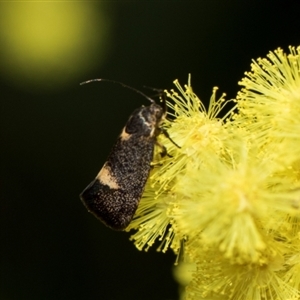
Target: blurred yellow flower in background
44,44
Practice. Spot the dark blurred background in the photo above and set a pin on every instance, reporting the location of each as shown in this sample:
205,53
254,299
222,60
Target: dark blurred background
55,134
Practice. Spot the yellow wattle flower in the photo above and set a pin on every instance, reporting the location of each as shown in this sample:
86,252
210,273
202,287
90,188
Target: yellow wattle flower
199,134
228,200
269,103
218,278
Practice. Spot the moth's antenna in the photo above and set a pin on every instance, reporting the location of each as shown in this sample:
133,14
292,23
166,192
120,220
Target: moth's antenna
161,94
122,84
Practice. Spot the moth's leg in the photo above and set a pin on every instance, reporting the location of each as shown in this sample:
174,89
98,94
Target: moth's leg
166,134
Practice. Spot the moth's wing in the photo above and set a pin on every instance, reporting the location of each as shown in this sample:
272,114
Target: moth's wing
114,207
114,195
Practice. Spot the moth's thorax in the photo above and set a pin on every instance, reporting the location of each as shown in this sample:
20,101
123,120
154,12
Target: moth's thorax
145,120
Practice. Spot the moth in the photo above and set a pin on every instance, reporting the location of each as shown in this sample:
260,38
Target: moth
114,195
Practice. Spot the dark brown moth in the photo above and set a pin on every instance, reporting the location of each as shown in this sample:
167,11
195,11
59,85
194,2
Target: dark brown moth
113,196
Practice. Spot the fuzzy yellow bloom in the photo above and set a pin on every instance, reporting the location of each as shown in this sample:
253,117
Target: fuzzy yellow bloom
199,134
228,200
269,104
218,278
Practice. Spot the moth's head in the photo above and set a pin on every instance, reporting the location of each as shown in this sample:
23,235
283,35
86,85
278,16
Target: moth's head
157,113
